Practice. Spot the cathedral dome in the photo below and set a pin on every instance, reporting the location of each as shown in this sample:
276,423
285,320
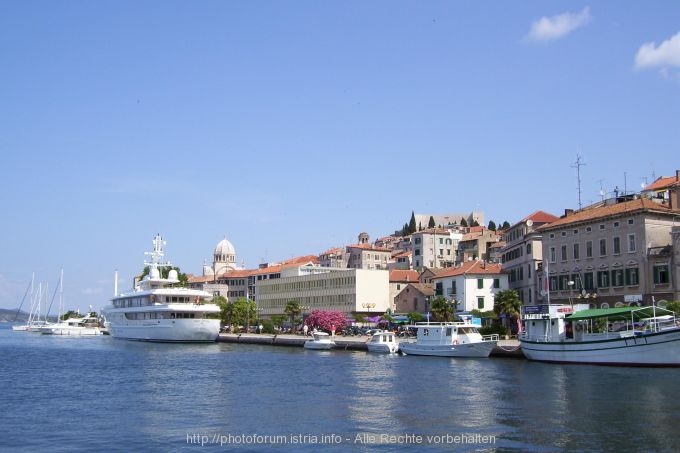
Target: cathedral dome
224,248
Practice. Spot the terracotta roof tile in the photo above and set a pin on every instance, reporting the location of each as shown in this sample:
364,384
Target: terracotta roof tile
400,275
662,182
599,212
471,267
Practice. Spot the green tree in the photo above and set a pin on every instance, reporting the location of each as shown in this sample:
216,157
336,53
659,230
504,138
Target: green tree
69,314
226,310
414,317
674,307
181,276
412,223
278,320
463,222
507,306
244,312
293,310
506,225
492,225
431,223
441,309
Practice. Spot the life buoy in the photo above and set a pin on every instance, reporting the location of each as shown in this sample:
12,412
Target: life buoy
455,341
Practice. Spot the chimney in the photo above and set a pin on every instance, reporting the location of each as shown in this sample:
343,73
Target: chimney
568,212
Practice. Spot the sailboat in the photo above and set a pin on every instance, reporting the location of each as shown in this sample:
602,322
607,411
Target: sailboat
79,326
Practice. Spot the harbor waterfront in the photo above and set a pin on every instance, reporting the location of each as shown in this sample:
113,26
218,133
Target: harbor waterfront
504,348
106,394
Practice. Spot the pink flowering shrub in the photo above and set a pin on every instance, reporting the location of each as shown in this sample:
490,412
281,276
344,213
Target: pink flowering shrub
325,320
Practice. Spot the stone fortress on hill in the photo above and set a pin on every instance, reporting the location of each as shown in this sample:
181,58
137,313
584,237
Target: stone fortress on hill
620,251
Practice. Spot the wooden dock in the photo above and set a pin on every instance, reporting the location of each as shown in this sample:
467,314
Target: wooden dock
505,348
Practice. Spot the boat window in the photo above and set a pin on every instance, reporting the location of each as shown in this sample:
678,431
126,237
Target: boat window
448,331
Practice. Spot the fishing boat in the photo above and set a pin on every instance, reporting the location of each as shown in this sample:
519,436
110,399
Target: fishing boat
639,336
158,309
321,340
449,339
383,342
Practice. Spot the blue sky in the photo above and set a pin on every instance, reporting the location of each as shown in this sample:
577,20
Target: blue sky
291,126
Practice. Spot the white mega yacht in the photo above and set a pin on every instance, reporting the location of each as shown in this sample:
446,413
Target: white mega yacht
157,310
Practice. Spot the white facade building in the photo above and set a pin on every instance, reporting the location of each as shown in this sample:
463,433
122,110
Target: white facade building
472,285
322,288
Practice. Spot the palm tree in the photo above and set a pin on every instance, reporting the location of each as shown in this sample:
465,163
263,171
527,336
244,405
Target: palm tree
442,310
293,310
507,305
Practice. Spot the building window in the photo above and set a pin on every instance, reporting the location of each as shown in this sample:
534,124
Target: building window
617,277
632,276
417,252
576,251
575,232
617,245
564,233
552,235
589,249
480,303
588,281
496,283
603,247
563,282
480,283
602,226
616,224
528,249
553,255
631,221
589,229
661,274
564,252
631,242
603,279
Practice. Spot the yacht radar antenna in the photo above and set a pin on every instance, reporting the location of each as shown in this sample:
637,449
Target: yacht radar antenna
157,253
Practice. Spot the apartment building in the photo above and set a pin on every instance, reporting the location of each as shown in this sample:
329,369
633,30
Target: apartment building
617,252
522,254
435,247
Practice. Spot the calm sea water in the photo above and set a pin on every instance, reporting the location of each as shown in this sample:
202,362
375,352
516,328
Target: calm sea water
102,394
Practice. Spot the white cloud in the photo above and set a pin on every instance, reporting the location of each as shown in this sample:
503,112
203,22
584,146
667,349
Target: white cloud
558,26
666,54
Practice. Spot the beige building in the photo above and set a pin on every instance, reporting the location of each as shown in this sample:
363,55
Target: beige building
366,256
414,297
322,288
399,279
475,243
522,254
618,252
435,247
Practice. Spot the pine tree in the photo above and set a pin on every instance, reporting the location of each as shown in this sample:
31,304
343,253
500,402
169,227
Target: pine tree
463,222
431,223
492,225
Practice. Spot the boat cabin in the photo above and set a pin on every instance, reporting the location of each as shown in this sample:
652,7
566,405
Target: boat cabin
547,322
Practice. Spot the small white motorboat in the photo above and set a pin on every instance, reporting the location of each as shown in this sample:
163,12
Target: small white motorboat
384,342
321,341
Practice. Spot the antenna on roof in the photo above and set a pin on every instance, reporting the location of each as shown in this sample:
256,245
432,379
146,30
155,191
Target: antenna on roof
578,164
